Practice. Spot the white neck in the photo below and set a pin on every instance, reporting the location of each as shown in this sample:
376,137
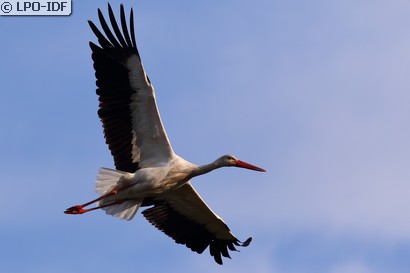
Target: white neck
203,169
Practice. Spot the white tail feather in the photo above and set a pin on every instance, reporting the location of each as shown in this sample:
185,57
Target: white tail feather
107,180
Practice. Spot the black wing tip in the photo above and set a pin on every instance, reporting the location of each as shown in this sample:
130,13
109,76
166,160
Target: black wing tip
100,15
219,248
108,39
247,242
93,46
91,24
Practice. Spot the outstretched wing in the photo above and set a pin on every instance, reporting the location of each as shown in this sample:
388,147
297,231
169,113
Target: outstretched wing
128,111
185,217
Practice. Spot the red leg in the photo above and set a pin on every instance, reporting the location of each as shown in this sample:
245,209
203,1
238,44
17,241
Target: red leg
79,209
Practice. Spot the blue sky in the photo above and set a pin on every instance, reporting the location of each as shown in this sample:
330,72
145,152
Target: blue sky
316,92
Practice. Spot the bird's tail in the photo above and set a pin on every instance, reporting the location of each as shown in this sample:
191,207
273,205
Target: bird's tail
107,181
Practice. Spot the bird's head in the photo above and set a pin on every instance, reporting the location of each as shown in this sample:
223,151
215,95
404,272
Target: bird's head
231,161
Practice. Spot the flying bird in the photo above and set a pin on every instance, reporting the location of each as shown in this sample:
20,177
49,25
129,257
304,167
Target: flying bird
148,172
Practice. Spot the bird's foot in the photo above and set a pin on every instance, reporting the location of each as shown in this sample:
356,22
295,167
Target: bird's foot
75,210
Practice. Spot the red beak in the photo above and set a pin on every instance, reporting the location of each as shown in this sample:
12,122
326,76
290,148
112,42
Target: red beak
245,165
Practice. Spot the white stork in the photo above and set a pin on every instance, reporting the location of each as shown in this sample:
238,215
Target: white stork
148,172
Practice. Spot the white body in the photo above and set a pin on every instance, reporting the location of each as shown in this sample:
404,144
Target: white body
146,182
